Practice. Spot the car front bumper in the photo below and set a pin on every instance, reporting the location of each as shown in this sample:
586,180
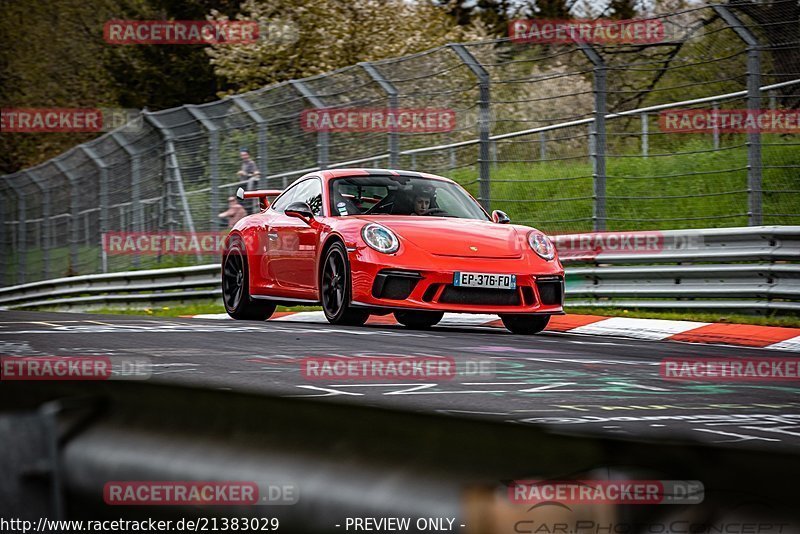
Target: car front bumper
381,281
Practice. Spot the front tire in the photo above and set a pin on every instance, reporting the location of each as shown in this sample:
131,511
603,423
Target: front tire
236,287
336,290
418,320
525,324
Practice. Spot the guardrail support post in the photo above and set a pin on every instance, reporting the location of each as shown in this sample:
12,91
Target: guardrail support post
322,137
599,134
102,169
391,91
46,222
754,163
213,159
484,121
261,124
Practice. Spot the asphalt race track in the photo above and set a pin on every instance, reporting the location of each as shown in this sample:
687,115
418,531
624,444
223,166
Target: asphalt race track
571,383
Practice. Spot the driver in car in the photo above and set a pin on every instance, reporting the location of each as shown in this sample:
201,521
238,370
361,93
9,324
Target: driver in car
422,203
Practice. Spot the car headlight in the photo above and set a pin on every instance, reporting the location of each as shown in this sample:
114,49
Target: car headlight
380,238
542,245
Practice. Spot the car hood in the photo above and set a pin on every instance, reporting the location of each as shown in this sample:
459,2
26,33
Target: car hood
455,237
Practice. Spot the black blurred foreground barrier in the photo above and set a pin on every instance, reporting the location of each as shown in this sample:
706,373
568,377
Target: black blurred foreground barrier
62,442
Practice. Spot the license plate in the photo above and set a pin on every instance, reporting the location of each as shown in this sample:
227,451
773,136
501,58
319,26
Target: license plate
493,281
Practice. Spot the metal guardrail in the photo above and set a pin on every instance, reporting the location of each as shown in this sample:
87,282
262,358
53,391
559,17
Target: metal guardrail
722,268
755,268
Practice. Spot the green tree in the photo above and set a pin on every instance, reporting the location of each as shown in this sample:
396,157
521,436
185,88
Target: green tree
622,9
303,39
54,55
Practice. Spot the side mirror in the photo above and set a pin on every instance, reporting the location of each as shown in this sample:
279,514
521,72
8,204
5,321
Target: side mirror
240,194
301,210
500,217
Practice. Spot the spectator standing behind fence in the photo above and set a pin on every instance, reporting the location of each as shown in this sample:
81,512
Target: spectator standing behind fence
249,169
235,212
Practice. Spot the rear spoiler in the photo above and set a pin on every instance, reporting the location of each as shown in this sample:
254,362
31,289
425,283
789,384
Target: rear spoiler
261,195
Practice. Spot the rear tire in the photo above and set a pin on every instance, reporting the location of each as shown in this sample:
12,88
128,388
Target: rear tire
418,320
525,324
335,290
236,287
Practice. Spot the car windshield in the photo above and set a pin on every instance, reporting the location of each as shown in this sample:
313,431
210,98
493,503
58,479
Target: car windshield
402,195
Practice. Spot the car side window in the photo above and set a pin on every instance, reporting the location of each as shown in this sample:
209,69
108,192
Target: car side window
285,199
308,191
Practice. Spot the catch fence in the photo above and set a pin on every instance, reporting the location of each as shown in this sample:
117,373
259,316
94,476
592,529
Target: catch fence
565,137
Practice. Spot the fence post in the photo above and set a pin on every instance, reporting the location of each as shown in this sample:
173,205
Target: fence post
484,126
715,131
22,241
599,134
74,204
391,91
137,214
645,134
102,169
542,146
213,159
322,137
261,124
46,222
754,163
4,247
173,170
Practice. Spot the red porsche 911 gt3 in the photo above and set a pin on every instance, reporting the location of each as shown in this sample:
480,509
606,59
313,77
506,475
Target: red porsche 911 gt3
371,241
